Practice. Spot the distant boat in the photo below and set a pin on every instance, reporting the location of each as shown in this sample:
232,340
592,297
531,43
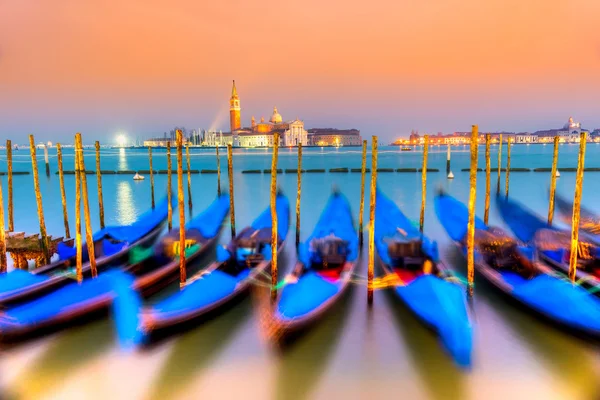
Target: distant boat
138,177
405,148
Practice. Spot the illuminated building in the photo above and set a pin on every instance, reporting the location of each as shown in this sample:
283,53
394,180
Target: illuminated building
334,137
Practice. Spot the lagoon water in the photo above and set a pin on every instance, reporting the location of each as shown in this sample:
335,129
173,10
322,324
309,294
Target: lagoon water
356,352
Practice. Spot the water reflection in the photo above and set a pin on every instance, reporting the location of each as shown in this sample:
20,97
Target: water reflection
123,165
126,209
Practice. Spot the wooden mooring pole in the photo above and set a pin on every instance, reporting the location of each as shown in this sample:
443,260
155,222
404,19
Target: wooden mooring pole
180,204
231,196
274,233
499,163
507,164
38,199
99,180
424,182
218,173
46,160
78,239
488,169
189,177
2,235
471,222
553,181
63,195
11,217
577,209
361,210
86,209
169,188
371,266
299,179
151,176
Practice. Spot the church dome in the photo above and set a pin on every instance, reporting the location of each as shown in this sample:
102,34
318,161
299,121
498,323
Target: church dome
276,117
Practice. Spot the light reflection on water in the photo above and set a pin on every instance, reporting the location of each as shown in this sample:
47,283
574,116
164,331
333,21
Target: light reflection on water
355,353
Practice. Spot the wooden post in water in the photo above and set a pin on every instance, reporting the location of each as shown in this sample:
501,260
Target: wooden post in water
11,218
86,208
46,160
38,199
499,163
169,188
298,195
78,239
449,173
361,210
471,222
99,180
371,266
424,182
507,164
274,233
180,204
488,169
189,177
218,173
553,181
2,235
231,200
577,208
151,175
63,196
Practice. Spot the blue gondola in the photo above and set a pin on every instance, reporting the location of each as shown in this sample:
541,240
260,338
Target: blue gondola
239,264
156,267
439,303
553,245
323,272
111,246
511,270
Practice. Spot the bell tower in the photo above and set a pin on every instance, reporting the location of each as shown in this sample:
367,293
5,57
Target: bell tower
235,119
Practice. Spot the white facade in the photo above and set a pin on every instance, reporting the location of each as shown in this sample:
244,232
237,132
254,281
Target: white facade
526,138
295,134
214,139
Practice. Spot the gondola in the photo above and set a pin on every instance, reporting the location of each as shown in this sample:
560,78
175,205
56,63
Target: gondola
413,260
325,266
589,222
156,266
510,269
553,245
242,262
111,247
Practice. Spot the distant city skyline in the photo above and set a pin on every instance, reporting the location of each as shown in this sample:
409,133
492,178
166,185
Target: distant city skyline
385,68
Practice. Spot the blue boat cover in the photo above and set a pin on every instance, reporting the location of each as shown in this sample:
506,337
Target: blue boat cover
454,216
210,220
563,301
335,219
62,300
18,279
303,297
282,207
441,304
66,252
388,218
523,222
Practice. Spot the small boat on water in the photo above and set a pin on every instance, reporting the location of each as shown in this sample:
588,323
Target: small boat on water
422,279
405,148
156,266
111,247
511,269
325,266
138,177
553,245
242,262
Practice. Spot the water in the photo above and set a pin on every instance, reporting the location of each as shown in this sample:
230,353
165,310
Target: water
355,353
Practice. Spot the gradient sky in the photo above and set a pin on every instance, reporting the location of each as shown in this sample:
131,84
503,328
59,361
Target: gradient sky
383,66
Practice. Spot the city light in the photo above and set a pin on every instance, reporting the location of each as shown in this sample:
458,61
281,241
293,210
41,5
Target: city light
121,140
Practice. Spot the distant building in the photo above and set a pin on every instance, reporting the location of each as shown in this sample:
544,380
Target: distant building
334,137
526,138
261,134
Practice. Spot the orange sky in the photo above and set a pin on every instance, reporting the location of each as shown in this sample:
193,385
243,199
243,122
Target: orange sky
385,67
